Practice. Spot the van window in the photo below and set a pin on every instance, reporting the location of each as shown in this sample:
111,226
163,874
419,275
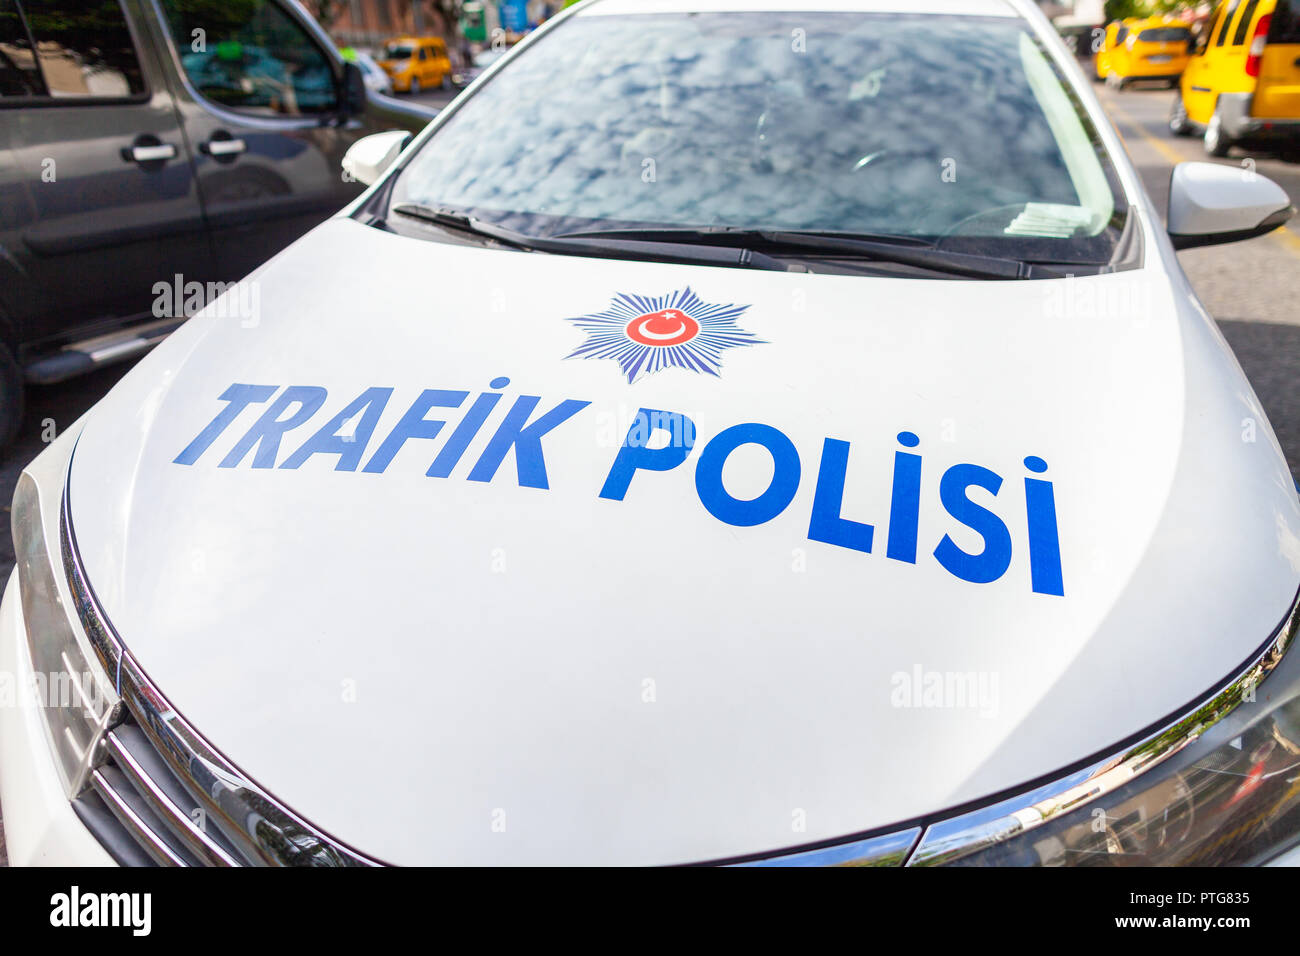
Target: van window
1286,23
1243,24
252,57
65,49
1165,35
1226,22
18,73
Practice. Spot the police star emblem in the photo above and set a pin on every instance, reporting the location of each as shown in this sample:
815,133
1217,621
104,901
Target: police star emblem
647,334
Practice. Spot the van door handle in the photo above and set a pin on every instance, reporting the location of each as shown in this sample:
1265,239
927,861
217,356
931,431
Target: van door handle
149,149
224,146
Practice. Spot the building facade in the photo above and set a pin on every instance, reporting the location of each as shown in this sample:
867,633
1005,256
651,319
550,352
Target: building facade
365,23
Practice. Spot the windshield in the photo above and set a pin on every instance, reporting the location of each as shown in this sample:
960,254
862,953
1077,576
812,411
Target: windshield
951,128
397,51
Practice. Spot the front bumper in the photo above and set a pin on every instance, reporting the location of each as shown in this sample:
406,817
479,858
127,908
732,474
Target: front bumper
41,828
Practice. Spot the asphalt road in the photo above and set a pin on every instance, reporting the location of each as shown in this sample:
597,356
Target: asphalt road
434,98
1252,288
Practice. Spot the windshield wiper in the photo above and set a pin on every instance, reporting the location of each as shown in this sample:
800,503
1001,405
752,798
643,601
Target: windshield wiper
462,223
902,250
682,233
613,247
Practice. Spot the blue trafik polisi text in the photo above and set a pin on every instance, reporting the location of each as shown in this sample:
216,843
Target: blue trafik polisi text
527,421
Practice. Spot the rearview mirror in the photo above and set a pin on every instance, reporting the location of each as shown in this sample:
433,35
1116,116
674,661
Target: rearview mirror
1210,204
368,158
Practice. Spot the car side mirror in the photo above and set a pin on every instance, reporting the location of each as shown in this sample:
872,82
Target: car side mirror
369,157
354,90
1210,204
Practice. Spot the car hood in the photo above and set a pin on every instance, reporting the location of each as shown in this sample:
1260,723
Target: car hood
550,657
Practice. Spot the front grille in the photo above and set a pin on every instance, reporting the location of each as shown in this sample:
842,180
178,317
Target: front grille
148,811
142,813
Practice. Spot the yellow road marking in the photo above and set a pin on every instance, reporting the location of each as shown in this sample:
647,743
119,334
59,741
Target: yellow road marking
1288,239
1160,146
1283,235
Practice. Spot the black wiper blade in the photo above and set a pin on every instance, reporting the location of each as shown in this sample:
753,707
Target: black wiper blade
689,253
736,233
903,250
462,222
940,260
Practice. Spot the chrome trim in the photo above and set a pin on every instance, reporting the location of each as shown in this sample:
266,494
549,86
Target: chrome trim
224,147
165,809
255,824
968,833
890,849
149,839
153,154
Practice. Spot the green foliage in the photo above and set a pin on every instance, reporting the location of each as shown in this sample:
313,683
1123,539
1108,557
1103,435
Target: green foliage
1123,9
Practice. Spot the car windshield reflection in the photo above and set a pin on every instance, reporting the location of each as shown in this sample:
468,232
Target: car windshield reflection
945,127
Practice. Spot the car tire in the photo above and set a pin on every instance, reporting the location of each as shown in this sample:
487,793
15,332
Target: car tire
1122,83
11,398
1216,143
1179,124
446,81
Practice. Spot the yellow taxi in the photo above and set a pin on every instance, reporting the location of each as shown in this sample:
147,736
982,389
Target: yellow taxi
1144,48
1243,82
416,63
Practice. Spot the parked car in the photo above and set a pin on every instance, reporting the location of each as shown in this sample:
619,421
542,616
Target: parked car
1242,84
416,63
691,448
143,144
1144,49
377,78
477,64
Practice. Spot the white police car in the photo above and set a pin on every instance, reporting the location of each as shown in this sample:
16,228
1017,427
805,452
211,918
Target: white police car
729,433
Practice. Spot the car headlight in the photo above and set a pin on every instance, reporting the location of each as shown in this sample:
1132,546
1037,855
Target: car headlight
74,693
1218,785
